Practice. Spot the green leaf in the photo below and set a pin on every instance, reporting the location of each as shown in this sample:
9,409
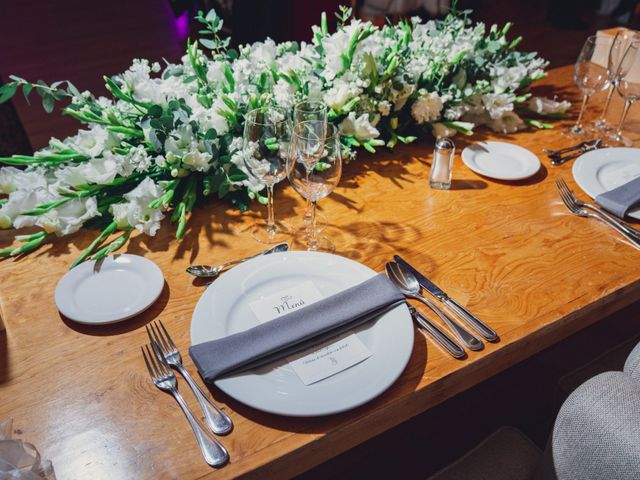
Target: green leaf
47,102
210,44
7,91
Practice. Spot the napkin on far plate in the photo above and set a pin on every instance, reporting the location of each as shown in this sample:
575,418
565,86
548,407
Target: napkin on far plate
297,330
620,200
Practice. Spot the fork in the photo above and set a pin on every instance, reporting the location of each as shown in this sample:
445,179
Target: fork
218,421
212,450
561,184
574,208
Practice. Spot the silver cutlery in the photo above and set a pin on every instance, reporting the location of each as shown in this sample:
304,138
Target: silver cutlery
445,341
474,322
562,185
212,450
574,208
218,421
409,286
579,146
558,160
208,271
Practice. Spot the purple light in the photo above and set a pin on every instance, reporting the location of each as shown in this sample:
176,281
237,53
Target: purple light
182,25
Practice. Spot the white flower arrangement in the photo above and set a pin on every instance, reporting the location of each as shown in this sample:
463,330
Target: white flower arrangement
172,136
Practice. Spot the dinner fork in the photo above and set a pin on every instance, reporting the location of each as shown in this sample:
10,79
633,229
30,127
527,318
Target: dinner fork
574,208
562,185
212,450
218,421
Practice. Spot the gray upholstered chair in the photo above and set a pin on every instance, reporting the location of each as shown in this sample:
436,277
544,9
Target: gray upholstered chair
596,436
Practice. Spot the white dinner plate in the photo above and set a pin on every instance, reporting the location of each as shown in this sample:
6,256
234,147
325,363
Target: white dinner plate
500,160
224,309
117,288
602,170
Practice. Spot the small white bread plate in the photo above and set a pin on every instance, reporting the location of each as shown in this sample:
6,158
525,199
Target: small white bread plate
602,170
500,160
109,291
224,309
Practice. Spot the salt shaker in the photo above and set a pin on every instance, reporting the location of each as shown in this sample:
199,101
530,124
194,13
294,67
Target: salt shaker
440,176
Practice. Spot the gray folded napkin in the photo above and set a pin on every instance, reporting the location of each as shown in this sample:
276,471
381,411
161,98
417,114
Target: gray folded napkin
620,200
297,330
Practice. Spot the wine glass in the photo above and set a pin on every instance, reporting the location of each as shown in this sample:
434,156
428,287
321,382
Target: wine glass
314,111
314,169
267,135
309,110
628,87
619,46
590,75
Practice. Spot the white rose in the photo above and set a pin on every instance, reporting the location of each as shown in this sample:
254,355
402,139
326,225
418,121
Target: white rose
427,107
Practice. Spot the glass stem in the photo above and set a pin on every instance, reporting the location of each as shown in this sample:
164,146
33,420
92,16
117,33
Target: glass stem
627,105
313,234
606,105
307,213
271,222
578,126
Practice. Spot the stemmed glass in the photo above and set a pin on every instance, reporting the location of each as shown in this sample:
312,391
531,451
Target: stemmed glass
589,74
619,46
314,169
628,87
310,111
267,135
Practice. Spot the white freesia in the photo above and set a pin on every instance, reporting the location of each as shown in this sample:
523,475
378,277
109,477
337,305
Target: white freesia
21,201
12,179
441,130
91,142
497,104
509,122
360,127
548,106
427,107
135,212
340,93
68,218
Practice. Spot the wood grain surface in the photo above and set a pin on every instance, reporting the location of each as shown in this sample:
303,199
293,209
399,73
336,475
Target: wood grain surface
508,250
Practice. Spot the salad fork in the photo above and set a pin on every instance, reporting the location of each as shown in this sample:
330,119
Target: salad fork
576,209
218,421
212,450
562,185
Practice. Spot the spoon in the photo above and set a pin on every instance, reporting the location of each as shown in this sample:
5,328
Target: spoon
207,271
409,286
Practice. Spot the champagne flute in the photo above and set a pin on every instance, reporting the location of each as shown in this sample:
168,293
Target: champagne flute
628,87
314,169
619,46
590,75
314,111
267,134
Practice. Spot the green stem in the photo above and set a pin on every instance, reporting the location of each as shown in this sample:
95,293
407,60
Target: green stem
97,241
113,246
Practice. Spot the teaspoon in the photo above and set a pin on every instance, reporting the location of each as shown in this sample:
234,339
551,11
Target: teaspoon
207,271
409,286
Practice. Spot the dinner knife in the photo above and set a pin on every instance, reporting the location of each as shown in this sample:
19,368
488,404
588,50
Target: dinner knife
473,321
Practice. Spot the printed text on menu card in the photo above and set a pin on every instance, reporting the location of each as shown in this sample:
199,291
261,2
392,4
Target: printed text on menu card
327,358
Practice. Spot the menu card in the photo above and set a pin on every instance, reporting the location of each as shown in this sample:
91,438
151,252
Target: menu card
323,360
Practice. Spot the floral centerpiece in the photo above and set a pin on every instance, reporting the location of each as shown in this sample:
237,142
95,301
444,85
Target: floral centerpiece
171,135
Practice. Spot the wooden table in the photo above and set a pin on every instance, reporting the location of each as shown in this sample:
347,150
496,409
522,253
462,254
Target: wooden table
509,251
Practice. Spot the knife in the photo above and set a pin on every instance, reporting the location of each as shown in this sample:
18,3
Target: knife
473,321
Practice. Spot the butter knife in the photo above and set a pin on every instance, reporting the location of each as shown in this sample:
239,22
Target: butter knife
473,321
